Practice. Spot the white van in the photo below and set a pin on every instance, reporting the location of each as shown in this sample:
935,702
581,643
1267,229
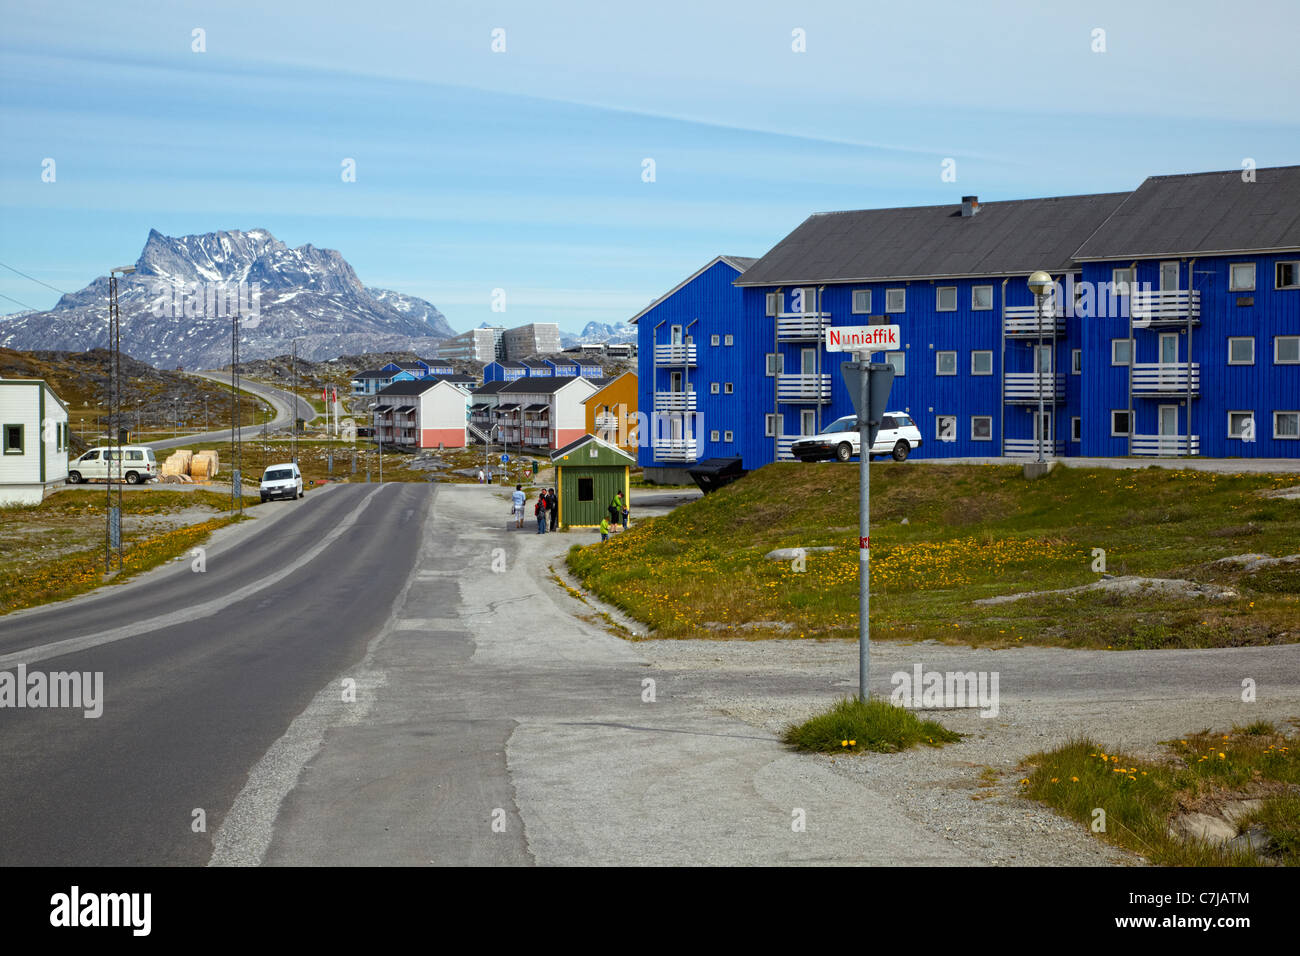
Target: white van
281,481
133,463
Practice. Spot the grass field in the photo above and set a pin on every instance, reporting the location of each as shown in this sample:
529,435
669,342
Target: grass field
1202,772
971,531
55,550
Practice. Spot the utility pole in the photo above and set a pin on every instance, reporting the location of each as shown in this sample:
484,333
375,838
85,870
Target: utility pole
236,457
294,363
113,506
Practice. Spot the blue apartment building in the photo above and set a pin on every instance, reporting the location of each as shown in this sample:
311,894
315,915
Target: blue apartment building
1175,329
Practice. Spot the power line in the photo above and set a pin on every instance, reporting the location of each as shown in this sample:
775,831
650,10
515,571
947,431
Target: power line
33,278
23,304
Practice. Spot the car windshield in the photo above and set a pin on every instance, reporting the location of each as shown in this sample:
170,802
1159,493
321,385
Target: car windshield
846,424
278,474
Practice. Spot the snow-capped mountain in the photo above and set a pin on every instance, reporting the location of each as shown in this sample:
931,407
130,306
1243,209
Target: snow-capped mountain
176,307
594,333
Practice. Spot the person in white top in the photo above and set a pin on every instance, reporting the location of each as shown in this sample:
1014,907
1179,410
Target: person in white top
519,498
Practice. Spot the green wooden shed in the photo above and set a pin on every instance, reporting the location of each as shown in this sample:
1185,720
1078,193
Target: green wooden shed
589,472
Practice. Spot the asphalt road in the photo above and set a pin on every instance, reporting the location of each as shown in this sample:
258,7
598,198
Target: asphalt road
202,673
282,401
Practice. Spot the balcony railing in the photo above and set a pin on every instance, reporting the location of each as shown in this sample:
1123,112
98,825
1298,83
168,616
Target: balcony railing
1166,445
1028,447
675,449
1021,321
783,443
1171,307
801,326
675,354
1026,387
674,401
1166,378
803,388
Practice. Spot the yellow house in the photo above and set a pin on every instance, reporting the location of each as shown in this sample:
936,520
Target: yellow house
611,412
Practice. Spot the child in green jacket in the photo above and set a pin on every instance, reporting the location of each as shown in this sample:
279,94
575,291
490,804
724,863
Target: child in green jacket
604,529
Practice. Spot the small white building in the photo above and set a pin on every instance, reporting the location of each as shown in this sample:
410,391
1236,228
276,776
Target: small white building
424,413
33,441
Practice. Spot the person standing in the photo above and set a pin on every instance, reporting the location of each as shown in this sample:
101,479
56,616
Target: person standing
604,530
519,498
480,476
539,511
555,509
489,476
624,511
615,509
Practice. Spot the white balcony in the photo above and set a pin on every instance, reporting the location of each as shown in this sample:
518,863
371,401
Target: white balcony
674,401
1172,307
1166,445
1028,448
675,354
801,326
804,388
1027,387
675,449
1022,321
1166,378
783,443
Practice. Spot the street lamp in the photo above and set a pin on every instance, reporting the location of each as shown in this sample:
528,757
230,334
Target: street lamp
1039,283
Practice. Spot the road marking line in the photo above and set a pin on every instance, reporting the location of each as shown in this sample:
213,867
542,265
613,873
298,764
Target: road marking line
428,624
32,655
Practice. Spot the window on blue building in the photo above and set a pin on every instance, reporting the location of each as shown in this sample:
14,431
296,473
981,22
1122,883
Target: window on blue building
981,427
861,301
1169,276
729,388
945,363
1241,350
1286,350
1076,429
727,436
774,363
945,298
714,339
981,298
1286,425
895,300
1241,425
1119,423
728,340
1287,275
1076,362
770,425
899,361
1121,351
945,428
1121,279
775,306
981,362
1241,277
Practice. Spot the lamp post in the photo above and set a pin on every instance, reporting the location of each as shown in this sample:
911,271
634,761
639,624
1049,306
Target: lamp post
113,527
1039,283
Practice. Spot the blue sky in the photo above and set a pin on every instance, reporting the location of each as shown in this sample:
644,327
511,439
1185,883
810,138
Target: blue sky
522,170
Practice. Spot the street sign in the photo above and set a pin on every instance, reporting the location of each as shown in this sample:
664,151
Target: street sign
880,382
505,459
863,338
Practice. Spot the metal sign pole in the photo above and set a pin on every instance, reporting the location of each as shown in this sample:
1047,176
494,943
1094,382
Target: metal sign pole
864,527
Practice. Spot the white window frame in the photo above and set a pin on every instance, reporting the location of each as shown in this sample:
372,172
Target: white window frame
1115,342
1295,264
1177,264
1232,277
975,352
974,305
713,388
1119,434
938,298
1240,411
938,431
775,364
1076,429
1279,437
889,307
774,303
728,339
1241,338
728,436
939,354
715,339
714,435
853,301
1121,286
981,418
728,388
1076,361
1277,340
899,356
771,424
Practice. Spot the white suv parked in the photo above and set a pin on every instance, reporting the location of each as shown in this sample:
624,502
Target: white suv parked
282,481
131,463
897,436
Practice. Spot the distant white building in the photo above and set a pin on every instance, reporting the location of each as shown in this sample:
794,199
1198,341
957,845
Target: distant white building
476,345
33,441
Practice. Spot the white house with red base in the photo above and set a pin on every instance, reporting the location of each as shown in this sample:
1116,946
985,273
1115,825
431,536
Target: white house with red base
543,412
425,413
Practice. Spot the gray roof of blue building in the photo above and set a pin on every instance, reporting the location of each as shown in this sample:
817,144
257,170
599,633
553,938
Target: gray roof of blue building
1010,237
1202,214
